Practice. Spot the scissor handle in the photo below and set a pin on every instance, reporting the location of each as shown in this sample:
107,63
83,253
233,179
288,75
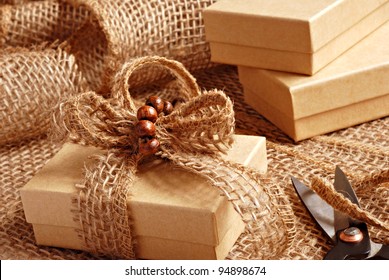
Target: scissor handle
350,250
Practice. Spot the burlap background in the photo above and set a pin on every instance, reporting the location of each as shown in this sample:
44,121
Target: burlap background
103,34
32,83
361,151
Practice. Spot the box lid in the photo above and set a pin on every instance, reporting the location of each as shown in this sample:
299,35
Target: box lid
289,25
161,205
359,74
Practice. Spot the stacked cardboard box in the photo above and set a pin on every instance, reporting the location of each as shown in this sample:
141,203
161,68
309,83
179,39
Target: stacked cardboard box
342,44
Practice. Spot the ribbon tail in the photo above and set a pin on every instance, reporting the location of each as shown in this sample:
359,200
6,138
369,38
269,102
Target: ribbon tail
327,192
269,221
101,206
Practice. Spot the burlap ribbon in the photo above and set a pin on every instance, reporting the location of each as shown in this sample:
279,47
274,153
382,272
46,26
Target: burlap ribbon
336,200
191,137
339,202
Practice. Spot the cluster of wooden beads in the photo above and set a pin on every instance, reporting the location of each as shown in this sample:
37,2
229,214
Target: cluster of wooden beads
145,128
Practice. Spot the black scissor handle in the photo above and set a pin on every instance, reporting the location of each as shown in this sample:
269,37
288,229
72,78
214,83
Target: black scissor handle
346,250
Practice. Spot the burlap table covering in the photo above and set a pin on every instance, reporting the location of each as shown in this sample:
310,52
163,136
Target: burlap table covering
362,151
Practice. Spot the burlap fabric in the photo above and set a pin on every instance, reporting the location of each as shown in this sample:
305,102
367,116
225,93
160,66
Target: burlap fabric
13,1
361,151
103,34
32,83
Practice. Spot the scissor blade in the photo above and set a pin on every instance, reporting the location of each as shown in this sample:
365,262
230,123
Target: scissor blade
318,208
343,186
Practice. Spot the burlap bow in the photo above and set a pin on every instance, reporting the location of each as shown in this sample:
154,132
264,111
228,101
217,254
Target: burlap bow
191,137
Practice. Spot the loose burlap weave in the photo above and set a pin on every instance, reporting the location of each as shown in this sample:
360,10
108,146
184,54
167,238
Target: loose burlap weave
32,83
103,34
361,151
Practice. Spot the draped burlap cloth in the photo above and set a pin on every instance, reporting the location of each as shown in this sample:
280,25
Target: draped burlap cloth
104,33
32,83
280,227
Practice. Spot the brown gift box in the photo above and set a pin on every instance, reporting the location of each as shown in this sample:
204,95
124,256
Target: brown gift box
176,214
300,36
352,89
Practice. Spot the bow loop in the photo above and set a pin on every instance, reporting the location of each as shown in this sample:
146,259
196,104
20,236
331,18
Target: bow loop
90,119
122,85
205,124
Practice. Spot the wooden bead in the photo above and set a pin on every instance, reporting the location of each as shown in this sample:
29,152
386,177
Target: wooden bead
148,146
145,128
167,108
147,113
155,102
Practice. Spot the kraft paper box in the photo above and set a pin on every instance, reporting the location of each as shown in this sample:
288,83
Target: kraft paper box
176,214
352,89
299,36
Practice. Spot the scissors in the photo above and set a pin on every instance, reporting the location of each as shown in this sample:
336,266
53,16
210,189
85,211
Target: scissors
350,236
